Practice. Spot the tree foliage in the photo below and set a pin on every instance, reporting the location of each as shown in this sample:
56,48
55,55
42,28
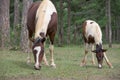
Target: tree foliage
80,10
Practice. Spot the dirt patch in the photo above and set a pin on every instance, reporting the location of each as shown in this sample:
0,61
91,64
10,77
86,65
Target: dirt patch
117,77
36,78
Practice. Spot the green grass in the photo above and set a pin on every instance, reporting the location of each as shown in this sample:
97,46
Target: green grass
67,59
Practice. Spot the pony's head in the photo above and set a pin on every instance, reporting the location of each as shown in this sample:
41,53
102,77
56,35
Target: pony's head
99,54
38,52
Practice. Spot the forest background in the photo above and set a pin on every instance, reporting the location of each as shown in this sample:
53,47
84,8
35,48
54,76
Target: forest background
71,15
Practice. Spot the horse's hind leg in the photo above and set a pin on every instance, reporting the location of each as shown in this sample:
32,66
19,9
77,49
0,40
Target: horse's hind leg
83,63
29,53
30,45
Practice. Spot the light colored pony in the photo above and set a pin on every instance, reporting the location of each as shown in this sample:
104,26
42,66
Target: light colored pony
93,36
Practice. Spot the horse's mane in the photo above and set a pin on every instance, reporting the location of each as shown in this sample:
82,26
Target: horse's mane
43,16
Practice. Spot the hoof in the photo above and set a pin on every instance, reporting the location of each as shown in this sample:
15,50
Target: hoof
47,64
111,67
53,65
28,60
82,64
93,62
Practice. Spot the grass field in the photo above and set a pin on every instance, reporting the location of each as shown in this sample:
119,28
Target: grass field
13,65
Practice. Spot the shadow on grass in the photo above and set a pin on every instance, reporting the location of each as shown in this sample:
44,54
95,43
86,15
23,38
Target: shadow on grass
21,64
90,66
25,65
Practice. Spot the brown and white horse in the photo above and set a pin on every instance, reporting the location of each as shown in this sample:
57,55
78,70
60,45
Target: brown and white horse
92,35
42,22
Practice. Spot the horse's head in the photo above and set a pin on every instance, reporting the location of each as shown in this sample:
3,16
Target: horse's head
38,52
99,54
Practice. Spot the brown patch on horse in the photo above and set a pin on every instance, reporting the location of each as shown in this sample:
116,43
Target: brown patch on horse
52,24
91,39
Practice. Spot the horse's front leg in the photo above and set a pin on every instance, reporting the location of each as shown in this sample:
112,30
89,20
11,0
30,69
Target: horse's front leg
93,59
51,49
107,61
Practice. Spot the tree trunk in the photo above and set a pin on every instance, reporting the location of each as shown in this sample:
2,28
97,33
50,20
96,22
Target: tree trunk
16,13
4,23
69,19
16,20
61,24
75,34
106,28
109,24
24,44
109,21
118,28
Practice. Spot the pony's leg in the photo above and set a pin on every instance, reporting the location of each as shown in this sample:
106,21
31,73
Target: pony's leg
29,53
107,61
85,56
51,49
93,58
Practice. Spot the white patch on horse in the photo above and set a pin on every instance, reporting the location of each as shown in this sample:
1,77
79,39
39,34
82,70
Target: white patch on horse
93,29
38,49
43,16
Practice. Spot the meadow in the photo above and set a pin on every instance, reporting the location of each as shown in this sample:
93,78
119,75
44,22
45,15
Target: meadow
68,58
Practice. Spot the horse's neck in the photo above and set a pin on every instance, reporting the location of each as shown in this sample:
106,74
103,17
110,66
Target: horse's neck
43,17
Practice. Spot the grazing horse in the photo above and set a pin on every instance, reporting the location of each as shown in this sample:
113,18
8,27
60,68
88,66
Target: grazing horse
42,22
92,35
